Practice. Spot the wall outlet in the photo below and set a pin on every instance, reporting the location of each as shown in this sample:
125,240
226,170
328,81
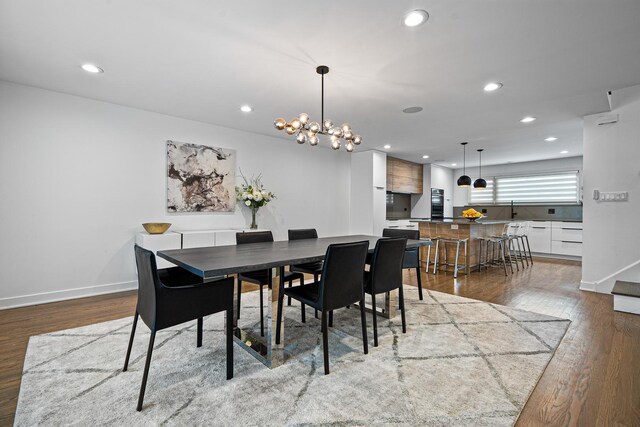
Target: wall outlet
454,226
484,211
551,211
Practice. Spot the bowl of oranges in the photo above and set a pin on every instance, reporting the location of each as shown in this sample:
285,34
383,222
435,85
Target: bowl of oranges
472,215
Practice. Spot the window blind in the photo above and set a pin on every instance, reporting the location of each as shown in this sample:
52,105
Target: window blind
483,196
547,188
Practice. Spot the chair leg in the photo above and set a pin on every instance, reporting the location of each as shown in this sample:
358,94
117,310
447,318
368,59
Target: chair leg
426,270
331,319
261,312
375,320
504,262
290,285
529,249
420,297
199,339
239,296
145,375
315,280
401,302
435,257
455,270
363,317
279,314
303,309
325,342
133,332
229,343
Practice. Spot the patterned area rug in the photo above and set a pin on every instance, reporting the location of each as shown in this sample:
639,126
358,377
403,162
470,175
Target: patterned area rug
462,362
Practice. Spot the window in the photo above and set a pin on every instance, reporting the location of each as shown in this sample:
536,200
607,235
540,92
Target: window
560,187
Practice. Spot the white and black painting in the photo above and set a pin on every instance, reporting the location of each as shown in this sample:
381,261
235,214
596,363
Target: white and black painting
200,178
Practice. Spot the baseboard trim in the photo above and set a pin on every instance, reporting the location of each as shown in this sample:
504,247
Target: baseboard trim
66,294
588,286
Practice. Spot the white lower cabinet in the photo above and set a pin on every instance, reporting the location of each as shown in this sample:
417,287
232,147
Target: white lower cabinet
566,247
540,237
566,238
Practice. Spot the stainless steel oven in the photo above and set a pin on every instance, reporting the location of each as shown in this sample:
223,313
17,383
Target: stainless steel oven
437,203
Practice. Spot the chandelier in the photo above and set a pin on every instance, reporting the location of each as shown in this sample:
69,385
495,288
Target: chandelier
305,130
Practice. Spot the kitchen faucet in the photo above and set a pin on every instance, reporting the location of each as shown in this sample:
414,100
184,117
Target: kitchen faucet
513,212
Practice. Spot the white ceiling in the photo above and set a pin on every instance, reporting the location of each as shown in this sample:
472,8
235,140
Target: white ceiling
201,60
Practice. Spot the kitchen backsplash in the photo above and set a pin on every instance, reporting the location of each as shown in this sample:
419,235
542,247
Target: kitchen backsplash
398,206
528,212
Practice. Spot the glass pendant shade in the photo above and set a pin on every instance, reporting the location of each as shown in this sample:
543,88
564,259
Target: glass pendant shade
464,181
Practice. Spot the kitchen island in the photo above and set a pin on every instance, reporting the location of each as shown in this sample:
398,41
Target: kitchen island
459,229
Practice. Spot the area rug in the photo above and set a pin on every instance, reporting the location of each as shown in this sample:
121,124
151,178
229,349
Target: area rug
462,362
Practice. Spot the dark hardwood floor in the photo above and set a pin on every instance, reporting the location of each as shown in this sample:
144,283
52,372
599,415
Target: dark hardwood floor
592,380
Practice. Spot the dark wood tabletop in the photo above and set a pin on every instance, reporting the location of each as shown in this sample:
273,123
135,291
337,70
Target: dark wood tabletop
219,260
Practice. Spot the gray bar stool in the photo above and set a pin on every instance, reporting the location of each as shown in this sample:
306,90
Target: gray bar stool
455,265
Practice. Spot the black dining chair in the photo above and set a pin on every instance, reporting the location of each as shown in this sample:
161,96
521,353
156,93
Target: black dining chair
172,296
385,275
411,258
341,284
260,277
315,267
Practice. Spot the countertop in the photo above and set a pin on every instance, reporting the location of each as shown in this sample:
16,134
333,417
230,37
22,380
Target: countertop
462,221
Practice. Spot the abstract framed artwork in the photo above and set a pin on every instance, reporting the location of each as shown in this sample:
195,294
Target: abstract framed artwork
200,178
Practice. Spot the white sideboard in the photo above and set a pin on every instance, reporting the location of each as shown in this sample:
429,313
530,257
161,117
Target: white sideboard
183,239
160,242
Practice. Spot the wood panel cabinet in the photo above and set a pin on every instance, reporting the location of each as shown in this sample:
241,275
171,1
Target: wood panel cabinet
404,176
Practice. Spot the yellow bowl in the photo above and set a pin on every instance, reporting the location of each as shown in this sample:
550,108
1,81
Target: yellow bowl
156,227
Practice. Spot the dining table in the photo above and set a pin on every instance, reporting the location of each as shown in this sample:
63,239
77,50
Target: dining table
217,261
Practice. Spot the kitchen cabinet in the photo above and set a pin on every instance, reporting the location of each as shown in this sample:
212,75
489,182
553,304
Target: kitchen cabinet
566,238
556,238
540,237
404,176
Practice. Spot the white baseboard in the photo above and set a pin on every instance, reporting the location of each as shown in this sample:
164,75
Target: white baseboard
587,286
66,294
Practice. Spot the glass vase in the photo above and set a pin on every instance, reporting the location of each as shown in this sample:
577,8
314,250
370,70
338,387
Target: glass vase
254,225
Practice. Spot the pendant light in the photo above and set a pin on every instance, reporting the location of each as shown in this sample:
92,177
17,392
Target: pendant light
464,180
480,183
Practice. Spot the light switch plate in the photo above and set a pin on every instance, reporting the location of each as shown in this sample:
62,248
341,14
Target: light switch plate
611,196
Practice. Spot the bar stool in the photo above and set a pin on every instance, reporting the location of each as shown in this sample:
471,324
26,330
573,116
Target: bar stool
495,248
525,239
513,234
455,265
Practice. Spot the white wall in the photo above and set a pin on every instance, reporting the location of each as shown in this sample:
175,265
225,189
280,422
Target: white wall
461,194
78,177
368,192
611,238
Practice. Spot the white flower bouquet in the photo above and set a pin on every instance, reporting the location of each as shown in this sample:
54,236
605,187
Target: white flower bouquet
253,195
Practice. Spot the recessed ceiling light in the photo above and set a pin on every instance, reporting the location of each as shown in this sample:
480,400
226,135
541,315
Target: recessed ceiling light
528,119
490,87
415,18
411,110
246,109
564,152
387,146
91,68
454,164
425,157
551,139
